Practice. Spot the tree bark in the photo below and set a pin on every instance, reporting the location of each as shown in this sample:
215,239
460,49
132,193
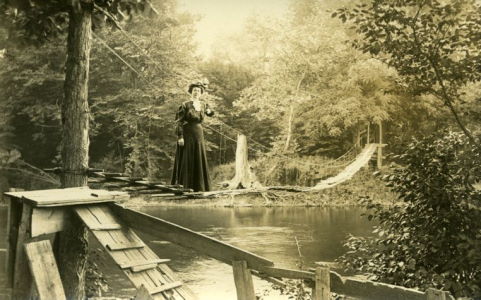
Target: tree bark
72,246
244,177
75,108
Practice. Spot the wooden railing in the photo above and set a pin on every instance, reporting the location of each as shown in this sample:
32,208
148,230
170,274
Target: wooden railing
245,264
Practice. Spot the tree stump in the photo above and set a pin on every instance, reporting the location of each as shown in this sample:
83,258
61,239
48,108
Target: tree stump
244,176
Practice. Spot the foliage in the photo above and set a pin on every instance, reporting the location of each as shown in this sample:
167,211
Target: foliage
318,88
433,45
132,115
294,289
37,21
432,237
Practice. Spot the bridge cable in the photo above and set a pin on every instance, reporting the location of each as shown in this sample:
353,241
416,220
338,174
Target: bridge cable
325,165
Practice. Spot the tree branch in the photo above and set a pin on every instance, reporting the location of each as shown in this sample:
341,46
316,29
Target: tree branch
439,78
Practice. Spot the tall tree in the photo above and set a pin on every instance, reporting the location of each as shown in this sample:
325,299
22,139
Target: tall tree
39,20
434,45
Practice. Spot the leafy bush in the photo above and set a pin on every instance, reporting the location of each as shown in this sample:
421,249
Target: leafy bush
432,237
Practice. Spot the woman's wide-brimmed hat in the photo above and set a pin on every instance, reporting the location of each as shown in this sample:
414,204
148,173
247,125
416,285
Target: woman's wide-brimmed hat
198,84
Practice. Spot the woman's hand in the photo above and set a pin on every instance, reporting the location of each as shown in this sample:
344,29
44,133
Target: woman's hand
209,112
180,142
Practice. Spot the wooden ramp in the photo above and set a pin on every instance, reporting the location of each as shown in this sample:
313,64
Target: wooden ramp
361,160
141,265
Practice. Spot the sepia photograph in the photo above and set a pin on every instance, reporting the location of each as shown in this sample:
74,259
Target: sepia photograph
240,150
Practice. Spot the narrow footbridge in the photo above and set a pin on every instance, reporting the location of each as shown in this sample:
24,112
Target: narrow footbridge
34,218
156,188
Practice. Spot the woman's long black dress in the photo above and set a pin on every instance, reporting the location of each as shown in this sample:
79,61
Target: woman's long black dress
190,166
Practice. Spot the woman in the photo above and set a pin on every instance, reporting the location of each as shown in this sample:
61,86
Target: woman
190,165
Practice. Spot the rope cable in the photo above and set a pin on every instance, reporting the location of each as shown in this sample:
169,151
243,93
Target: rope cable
325,165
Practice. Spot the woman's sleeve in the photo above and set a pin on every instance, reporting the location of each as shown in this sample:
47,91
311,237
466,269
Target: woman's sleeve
179,120
208,111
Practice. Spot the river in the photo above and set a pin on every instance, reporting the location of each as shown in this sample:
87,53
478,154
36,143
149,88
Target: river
269,232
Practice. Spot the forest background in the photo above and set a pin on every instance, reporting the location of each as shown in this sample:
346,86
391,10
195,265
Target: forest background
303,88
296,85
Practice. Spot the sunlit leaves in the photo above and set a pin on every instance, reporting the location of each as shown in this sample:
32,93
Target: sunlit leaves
434,45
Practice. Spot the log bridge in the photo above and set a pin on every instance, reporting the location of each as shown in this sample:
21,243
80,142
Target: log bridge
34,218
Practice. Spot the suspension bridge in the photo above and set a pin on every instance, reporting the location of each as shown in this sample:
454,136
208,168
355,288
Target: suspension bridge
35,218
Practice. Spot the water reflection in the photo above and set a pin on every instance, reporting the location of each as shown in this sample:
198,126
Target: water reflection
269,232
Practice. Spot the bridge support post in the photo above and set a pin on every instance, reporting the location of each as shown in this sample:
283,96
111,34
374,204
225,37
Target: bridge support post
243,281
368,134
322,289
22,278
379,148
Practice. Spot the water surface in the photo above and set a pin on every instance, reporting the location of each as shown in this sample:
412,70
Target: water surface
269,232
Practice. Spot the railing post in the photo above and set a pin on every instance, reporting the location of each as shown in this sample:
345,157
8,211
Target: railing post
433,294
322,289
243,281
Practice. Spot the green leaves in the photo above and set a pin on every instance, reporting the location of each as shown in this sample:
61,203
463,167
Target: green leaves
431,238
433,45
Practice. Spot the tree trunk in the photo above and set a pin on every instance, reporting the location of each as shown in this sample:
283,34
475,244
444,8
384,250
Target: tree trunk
244,177
72,242
291,113
289,127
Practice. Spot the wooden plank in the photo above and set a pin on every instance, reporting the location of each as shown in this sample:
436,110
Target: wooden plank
243,281
102,214
143,268
166,287
106,227
287,273
273,280
177,191
22,279
110,174
143,294
153,280
130,263
365,289
149,183
164,230
13,221
68,196
322,289
433,294
44,270
87,217
48,220
184,291
122,246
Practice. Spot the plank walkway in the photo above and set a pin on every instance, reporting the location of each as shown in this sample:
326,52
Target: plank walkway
361,160
140,185
141,265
